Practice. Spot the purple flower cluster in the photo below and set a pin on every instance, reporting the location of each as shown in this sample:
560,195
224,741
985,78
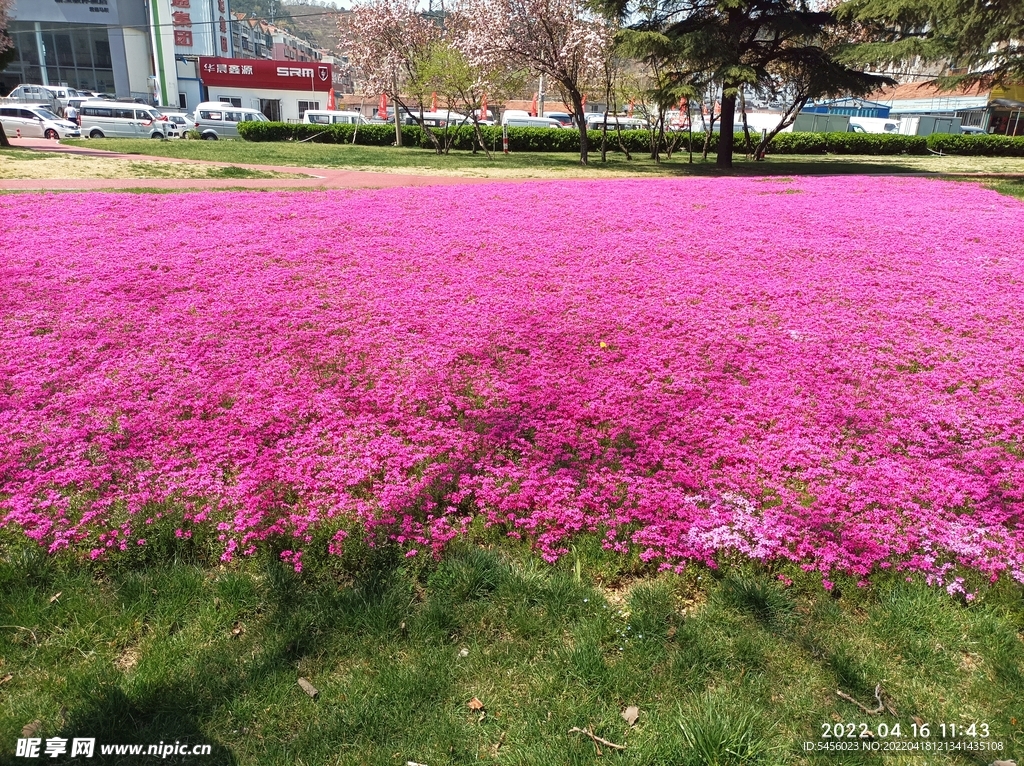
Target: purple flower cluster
827,371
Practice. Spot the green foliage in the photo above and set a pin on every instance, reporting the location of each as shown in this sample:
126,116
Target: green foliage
368,135
758,596
177,645
976,36
977,146
847,143
720,733
638,141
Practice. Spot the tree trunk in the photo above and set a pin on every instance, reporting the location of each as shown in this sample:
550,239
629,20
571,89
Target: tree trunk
788,117
577,105
726,138
480,139
746,128
3,136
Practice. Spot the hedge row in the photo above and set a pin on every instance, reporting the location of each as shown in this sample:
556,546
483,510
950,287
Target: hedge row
847,143
461,137
637,141
977,145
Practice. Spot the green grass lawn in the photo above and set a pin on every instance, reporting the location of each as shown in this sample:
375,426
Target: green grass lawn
169,645
464,162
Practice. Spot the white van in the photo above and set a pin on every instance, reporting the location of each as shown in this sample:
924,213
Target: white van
35,122
121,119
596,121
531,122
435,119
217,119
324,117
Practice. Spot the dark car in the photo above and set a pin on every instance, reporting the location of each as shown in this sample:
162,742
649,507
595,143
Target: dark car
562,117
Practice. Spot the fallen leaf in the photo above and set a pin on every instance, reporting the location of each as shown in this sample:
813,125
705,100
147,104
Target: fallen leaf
30,729
463,652
307,687
55,596
836,717
630,715
475,704
6,678
918,721
672,631
237,630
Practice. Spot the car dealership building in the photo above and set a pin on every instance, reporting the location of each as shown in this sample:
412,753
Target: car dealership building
128,48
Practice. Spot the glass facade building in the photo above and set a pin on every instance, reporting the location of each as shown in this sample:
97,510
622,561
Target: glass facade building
74,54
101,45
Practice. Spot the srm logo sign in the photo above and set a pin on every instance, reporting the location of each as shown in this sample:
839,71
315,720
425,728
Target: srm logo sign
322,72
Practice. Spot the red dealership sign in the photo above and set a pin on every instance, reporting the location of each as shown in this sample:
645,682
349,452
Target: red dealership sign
259,73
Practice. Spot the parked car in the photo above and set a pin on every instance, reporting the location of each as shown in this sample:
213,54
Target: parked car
563,117
181,124
36,122
972,130
36,94
530,122
121,119
326,117
440,119
215,120
596,120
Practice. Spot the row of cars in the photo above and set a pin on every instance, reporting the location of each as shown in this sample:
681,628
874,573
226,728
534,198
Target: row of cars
101,118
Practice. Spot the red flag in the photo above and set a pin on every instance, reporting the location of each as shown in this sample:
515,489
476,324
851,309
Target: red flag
382,107
483,107
330,101
433,101
533,106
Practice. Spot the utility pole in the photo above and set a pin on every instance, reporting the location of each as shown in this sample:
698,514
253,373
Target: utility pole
540,98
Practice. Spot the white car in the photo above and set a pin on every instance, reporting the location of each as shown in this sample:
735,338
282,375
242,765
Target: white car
178,124
35,122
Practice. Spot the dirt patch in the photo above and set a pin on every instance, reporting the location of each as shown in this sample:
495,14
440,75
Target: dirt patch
128,659
66,166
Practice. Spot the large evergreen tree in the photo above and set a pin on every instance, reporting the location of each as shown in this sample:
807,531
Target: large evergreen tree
744,43
985,37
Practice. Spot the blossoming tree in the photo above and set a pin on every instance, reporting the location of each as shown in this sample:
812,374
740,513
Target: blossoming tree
560,39
389,41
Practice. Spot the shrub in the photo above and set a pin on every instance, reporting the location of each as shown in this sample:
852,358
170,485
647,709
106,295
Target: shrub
977,145
847,143
368,135
519,139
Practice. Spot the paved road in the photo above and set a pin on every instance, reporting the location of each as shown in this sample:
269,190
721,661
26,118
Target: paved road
304,178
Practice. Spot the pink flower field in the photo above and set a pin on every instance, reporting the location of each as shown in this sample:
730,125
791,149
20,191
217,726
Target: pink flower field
826,371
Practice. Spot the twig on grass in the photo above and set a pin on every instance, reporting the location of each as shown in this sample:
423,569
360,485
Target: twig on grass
19,627
878,696
597,740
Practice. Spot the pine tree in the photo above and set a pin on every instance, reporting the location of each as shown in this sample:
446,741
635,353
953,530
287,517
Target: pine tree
983,36
740,43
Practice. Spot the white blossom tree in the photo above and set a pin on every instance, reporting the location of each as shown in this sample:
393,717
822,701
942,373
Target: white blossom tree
389,41
560,39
